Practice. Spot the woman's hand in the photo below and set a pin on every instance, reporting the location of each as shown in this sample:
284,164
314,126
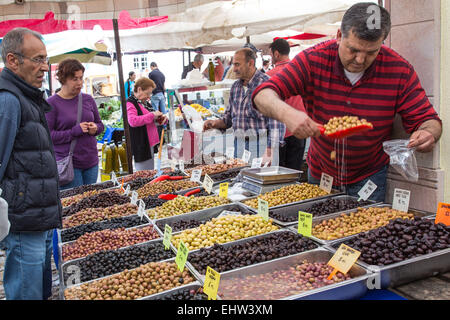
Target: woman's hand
85,127
92,128
157,114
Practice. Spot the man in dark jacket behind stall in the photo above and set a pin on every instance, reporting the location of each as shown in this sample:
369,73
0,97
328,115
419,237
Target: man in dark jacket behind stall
28,172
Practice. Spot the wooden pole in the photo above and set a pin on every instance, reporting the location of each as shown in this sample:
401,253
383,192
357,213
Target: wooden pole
122,96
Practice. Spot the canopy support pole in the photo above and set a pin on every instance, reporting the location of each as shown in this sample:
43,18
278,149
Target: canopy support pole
122,96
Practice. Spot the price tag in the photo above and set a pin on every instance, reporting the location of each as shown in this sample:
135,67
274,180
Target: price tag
344,258
181,257
114,178
246,156
304,223
326,182
401,200
223,190
263,209
196,175
366,190
230,153
141,208
127,190
211,286
219,159
134,197
443,214
208,183
173,165
181,165
256,162
167,236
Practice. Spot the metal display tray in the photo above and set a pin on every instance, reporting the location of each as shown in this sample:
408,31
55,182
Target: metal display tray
186,214
59,231
206,214
333,193
159,296
217,182
76,262
271,175
60,245
416,213
143,298
245,195
201,276
396,274
349,289
292,211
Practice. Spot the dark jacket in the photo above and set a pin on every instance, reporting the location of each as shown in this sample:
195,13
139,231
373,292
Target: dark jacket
187,69
31,183
139,137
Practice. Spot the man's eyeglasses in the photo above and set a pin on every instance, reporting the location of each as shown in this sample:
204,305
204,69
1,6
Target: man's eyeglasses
35,60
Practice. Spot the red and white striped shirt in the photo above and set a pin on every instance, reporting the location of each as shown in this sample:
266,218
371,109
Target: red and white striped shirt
389,86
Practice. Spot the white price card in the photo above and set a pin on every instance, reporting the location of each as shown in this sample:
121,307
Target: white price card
366,190
134,197
181,165
246,156
196,175
256,162
208,183
230,153
326,182
401,200
219,159
141,208
263,209
127,190
114,178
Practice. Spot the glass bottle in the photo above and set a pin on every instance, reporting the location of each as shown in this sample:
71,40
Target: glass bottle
212,76
108,159
123,157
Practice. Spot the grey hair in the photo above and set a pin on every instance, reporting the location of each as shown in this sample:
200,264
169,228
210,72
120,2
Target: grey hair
249,54
199,57
13,41
367,20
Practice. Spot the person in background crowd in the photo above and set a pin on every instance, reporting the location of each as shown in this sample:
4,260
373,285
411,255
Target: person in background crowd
353,75
158,99
129,84
28,171
143,124
63,128
291,154
266,66
196,64
247,123
228,64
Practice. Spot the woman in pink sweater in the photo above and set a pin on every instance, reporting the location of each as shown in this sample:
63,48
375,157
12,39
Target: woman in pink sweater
143,121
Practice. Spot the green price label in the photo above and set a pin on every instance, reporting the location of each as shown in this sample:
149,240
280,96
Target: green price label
167,236
263,209
304,223
182,255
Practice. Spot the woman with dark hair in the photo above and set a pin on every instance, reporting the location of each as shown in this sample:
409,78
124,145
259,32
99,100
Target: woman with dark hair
129,84
143,122
62,122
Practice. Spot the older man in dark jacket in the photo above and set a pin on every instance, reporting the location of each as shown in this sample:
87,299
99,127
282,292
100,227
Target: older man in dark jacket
28,171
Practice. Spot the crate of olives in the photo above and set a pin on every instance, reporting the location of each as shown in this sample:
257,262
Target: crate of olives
300,276
195,219
130,221
403,251
288,216
290,195
151,278
192,291
249,251
341,226
109,262
226,176
108,239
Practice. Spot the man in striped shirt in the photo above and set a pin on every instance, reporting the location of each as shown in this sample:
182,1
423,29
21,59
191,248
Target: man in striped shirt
252,130
353,75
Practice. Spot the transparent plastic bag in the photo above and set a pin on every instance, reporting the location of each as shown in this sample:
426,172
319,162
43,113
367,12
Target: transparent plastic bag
4,222
402,158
